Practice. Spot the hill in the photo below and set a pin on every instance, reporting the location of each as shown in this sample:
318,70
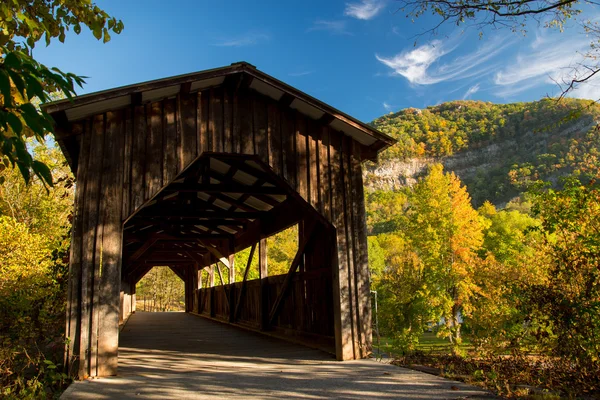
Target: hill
495,149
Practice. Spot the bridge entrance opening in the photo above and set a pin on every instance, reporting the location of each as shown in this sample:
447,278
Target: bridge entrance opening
212,226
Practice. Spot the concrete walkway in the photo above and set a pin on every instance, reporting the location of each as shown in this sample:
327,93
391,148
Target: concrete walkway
182,356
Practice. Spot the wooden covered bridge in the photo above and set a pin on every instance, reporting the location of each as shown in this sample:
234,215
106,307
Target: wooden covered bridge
185,172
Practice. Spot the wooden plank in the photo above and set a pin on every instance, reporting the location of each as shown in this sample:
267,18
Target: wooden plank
325,173
220,274
259,110
138,167
127,156
177,272
187,120
216,120
170,162
154,149
236,124
361,253
110,268
214,251
313,164
349,229
274,135
76,254
263,273
231,268
288,152
227,121
247,137
226,187
301,154
96,300
341,302
238,303
202,121
92,196
140,252
290,274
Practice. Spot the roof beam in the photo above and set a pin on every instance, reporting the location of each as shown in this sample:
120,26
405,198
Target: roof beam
216,253
191,187
193,212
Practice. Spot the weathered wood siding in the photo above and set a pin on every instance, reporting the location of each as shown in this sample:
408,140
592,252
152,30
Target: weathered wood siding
126,156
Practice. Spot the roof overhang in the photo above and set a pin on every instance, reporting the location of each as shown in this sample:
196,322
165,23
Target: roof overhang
66,111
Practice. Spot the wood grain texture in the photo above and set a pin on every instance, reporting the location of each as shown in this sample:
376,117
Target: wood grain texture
128,155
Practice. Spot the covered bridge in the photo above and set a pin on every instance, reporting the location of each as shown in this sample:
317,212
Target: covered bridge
186,171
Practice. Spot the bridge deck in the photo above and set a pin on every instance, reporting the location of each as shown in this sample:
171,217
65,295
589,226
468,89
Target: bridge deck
177,355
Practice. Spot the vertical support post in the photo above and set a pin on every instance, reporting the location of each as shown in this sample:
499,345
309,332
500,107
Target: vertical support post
186,287
133,297
231,259
263,275
211,282
194,287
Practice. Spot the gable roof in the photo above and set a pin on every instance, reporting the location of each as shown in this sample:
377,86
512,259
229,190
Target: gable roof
66,111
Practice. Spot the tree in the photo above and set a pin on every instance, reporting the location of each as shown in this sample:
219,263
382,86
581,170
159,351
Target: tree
25,82
508,264
568,305
34,241
430,260
161,290
515,15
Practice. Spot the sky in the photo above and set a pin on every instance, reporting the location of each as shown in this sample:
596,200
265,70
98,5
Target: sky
364,57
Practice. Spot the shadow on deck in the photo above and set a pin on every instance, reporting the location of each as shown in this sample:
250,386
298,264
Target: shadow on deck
178,355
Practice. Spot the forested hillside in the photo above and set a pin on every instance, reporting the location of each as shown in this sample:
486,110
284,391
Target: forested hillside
484,228
495,149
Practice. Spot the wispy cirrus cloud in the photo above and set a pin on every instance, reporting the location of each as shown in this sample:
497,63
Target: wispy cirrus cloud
336,27
300,73
424,65
388,107
546,61
471,91
365,9
247,39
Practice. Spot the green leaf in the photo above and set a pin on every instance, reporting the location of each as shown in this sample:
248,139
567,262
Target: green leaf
43,172
106,35
5,88
97,31
31,117
15,123
34,88
24,172
18,81
12,61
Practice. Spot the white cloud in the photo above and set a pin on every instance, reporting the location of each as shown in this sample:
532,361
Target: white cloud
337,27
472,90
300,73
366,9
420,66
247,39
547,60
387,106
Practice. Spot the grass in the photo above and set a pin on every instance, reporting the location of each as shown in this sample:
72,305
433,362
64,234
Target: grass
429,342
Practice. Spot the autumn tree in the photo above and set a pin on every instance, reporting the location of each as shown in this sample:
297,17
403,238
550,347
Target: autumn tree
24,82
508,264
160,290
34,241
431,258
568,305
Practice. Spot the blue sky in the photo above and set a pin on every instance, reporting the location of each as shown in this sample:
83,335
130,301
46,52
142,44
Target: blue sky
359,56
